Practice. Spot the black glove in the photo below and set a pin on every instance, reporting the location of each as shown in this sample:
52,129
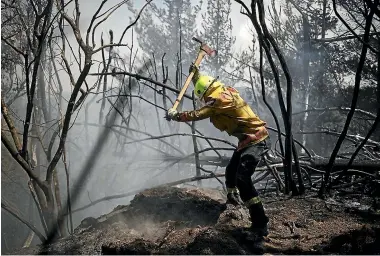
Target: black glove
233,196
193,68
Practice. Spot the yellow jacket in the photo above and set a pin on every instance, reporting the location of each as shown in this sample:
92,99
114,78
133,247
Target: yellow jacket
229,112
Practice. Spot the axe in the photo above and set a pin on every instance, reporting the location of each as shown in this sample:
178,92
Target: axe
203,51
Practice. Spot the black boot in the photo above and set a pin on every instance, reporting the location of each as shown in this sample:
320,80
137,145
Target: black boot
259,219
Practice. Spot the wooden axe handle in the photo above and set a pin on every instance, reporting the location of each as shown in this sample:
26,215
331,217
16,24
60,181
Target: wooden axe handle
201,55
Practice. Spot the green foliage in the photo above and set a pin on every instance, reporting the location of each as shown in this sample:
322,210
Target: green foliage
322,72
296,35
167,28
217,26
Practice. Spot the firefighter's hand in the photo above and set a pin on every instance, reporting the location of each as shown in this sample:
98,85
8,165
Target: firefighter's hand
193,68
172,114
233,197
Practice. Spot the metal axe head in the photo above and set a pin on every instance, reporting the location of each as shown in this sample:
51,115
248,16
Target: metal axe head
206,48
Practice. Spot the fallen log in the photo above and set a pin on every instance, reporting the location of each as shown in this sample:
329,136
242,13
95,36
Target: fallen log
370,166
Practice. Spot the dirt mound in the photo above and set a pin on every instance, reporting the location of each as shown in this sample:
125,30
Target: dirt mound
196,221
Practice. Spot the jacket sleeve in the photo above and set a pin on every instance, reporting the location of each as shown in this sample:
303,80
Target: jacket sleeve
199,114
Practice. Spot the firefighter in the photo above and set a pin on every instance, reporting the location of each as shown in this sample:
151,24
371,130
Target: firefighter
230,113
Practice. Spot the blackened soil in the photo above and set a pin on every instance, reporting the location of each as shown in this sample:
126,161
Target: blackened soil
172,220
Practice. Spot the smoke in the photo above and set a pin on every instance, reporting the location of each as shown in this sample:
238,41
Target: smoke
104,162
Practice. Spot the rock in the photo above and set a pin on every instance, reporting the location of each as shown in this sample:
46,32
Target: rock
88,222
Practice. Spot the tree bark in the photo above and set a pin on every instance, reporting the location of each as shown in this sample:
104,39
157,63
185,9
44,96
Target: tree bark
11,126
66,123
306,75
287,115
353,103
372,129
196,151
57,195
23,220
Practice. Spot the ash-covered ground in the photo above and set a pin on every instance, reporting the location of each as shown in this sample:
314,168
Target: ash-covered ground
172,220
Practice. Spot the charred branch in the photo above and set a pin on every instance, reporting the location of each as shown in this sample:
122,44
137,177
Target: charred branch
267,104
138,77
318,165
359,111
22,219
16,155
11,126
354,99
365,40
182,134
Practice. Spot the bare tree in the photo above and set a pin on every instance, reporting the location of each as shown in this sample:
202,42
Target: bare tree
369,18
40,30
